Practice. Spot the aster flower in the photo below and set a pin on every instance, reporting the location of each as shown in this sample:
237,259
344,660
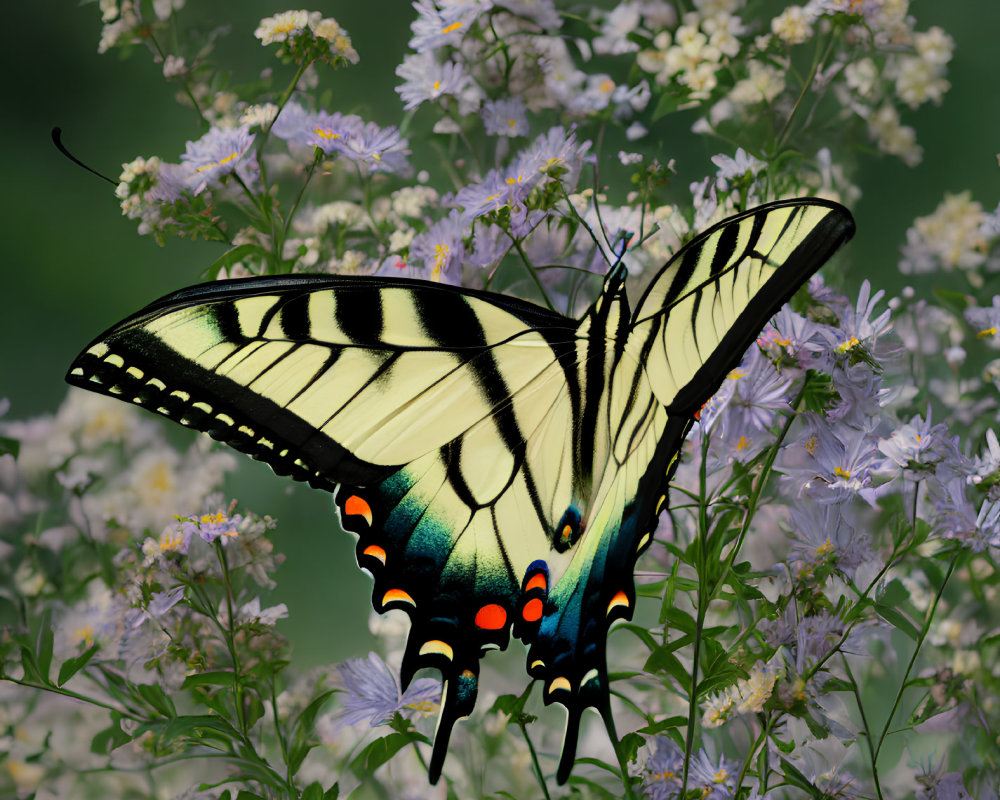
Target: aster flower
377,149
825,534
985,321
370,692
436,27
831,463
332,132
220,152
505,117
987,464
917,447
211,526
441,248
425,79
714,779
663,771
858,329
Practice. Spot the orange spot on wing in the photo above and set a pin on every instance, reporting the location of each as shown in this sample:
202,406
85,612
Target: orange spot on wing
491,617
397,595
375,551
620,599
532,611
358,507
537,582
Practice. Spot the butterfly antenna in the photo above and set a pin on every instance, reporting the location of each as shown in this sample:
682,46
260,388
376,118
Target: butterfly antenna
57,141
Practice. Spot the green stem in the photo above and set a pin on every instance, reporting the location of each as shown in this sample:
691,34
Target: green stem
53,689
924,630
534,275
536,766
872,753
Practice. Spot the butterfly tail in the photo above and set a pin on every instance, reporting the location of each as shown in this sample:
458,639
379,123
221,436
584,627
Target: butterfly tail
457,701
571,735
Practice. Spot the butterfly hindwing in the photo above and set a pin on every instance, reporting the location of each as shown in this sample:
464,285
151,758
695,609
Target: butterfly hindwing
503,466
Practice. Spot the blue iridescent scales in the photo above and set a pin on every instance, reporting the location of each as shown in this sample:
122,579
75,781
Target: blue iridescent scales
503,466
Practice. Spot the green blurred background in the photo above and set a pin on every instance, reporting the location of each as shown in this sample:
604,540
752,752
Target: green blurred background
72,265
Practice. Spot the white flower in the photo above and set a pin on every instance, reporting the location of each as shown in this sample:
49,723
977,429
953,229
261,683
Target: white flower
173,66
281,27
763,85
792,25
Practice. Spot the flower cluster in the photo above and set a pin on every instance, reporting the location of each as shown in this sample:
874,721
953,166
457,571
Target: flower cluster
832,536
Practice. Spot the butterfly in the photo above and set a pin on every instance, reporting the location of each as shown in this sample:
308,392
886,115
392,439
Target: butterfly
502,465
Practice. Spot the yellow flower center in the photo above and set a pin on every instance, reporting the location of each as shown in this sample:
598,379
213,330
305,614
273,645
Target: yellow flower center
850,344
840,472
85,635
441,254
987,332
453,27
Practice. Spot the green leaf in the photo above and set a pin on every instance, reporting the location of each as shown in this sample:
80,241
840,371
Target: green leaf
332,793
314,791
111,737
198,726
837,685
9,446
217,678
676,618
896,618
71,666
245,795
629,746
153,694
664,660
662,725
378,753
45,639
307,716
719,679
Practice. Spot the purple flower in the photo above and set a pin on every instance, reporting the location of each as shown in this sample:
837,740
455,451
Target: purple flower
377,149
434,27
331,132
799,338
159,604
441,248
663,771
858,328
986,322
427,79
832,463
917,447
211,526
822,534
715,780
220,152
294,124
370,692
554,154
505,117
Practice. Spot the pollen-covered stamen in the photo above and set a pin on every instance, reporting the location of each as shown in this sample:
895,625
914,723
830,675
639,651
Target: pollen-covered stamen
451,28
848,344
987,332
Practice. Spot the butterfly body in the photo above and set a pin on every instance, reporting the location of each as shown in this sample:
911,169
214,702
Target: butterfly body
503,466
